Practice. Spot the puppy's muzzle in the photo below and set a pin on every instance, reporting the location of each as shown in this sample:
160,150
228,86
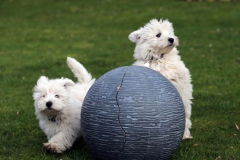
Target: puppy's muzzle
49,104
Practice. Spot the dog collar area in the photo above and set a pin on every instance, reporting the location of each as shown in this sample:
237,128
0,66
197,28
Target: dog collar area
154,58
55,120
52,119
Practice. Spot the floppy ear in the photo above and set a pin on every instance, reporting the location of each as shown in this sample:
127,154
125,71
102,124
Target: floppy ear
135,36
166,21
42,79
67,83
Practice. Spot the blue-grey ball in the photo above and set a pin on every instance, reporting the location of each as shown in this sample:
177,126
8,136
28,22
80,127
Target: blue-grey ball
132,113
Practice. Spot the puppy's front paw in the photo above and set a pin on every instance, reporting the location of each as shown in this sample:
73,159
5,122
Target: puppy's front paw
52,148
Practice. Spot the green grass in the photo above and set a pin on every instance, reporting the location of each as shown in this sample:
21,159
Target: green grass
37,36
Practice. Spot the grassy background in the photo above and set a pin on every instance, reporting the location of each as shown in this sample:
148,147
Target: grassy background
37,36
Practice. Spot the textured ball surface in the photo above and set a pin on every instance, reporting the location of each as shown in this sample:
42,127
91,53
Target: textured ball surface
132,113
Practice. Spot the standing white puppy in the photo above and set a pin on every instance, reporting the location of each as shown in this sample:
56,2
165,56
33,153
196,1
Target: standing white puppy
156,49
58,104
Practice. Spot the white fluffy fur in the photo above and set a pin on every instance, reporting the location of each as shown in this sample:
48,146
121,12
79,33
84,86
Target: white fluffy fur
61,120
155,49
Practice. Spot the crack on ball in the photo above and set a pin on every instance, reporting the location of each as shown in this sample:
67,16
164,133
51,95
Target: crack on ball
118,88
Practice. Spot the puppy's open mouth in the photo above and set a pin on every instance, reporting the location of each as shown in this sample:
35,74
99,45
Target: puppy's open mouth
50,111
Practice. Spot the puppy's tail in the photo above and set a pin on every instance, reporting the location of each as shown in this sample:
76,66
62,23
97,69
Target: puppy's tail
79,71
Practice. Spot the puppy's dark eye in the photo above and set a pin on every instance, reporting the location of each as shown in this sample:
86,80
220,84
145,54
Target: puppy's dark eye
44,96
57,96
158,35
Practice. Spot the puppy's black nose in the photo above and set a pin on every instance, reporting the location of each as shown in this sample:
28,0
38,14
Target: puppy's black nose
171,40
49,104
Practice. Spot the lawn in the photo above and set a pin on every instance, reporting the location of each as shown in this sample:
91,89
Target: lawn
37,36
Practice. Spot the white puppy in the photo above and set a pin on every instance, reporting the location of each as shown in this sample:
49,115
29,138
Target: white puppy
58,104
156,49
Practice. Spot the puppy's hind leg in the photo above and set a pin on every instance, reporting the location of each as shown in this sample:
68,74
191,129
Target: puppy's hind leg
187,134
188,123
